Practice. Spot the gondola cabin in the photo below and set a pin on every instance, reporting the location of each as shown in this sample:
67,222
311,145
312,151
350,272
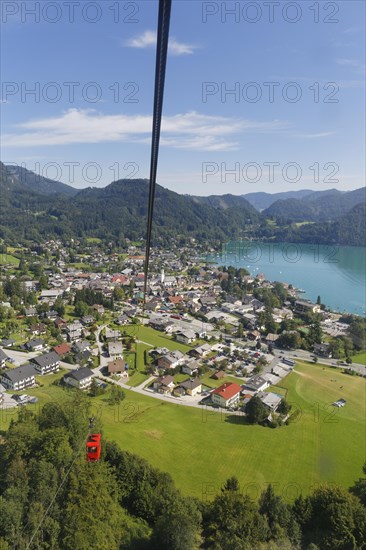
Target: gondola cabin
93,448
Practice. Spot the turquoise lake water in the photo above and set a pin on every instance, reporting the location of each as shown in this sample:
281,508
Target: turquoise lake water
336,273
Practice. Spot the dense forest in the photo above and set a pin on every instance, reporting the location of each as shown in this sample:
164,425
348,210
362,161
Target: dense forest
52,498
33,208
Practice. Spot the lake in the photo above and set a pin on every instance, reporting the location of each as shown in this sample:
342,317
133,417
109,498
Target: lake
335,273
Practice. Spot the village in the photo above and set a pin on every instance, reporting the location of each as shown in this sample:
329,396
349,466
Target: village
204,337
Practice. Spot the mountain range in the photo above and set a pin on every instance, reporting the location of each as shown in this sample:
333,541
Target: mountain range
34,207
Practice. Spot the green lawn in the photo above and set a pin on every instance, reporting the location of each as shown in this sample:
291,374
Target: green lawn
202,448
359,358
8,259
155,338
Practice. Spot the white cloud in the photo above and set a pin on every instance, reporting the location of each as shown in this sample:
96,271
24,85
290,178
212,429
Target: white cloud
190,130
148,39
316,136
359,66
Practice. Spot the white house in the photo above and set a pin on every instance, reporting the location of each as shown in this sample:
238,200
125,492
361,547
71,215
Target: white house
19,378
226,395
47,363
80,378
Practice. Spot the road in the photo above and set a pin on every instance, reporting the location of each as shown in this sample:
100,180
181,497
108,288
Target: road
308,356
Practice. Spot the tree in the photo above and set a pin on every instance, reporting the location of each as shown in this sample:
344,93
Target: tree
337,519
175,532
93,518
255,411
359,488
95,389
231,484
284,407
281,521
117,395
81,308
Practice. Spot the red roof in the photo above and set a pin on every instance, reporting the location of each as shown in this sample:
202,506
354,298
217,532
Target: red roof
119,279
228,390
62,349
175,299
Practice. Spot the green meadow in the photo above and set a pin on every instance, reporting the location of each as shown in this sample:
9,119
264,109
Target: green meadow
201,448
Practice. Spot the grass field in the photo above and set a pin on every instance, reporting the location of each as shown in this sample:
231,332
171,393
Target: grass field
360,358
8,259
202,448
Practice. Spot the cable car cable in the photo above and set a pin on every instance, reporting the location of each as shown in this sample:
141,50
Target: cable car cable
160,69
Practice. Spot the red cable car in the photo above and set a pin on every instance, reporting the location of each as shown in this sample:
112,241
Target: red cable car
93,448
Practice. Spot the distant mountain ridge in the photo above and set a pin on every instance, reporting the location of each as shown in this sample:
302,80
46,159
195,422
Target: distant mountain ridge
39,184
262,200
317,206
44,209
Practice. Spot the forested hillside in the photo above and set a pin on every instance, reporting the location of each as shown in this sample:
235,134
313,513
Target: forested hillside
32,212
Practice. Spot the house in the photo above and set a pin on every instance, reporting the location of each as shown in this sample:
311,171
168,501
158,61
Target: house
115,350
87,320
47,363
51,315
164,384
226,395
190,368
270,399
74,330
159,324
218,375
50,295
192,386
98,308
117,367
256,383
35,345
62,349
185,336
3,359
7,342
171,360
121,320
81,346
111,334
79,378
302,306
253,335
38,328
323,350
60,323
271,338
200,351
19,378
30,312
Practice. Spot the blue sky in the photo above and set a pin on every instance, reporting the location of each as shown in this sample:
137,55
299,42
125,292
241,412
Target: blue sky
295,118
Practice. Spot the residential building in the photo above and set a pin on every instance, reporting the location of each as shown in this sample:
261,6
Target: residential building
79,378
301,306
115,350
3,359
164,384
117,367
185,336
192,386
256,383
35,344
19,378
171,360
47,363
226,395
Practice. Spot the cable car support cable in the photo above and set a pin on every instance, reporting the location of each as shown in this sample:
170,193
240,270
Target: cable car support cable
160,69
